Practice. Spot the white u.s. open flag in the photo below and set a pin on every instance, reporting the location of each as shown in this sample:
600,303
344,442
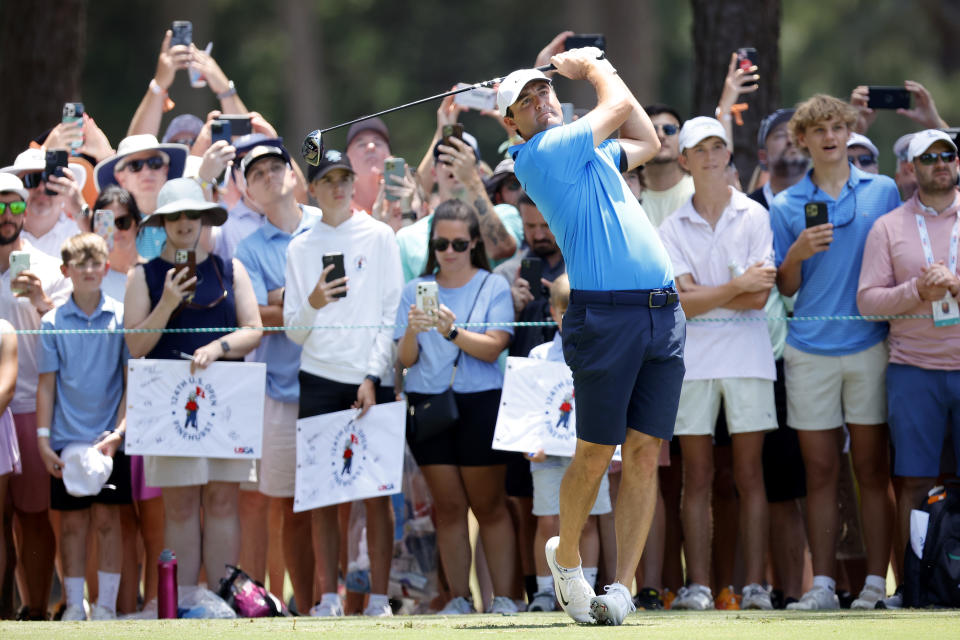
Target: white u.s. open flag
342,457
536,408
216,412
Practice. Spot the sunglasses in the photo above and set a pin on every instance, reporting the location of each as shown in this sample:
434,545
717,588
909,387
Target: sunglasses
33,180
865,160
153,162
173,217
931,158
459,245
123,223
15,208
668,129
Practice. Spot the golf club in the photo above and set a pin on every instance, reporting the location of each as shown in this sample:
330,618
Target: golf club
312,148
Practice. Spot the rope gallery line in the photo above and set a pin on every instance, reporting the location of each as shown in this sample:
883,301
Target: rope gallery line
465,325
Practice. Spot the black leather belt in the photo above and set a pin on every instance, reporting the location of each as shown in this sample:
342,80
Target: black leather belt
653,298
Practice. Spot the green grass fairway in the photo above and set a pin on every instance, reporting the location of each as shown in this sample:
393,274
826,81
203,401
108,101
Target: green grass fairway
738,625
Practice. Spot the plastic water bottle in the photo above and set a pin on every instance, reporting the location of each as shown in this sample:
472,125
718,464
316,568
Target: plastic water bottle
167,585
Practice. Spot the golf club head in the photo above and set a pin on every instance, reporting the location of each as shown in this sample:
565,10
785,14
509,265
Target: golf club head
312,147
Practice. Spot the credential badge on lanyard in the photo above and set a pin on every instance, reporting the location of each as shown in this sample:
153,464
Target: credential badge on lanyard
946,311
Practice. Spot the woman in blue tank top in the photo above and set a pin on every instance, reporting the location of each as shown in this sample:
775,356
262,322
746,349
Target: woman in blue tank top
160,294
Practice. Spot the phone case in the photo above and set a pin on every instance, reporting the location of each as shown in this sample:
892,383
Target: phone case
427,297
19,261
336,259
103,226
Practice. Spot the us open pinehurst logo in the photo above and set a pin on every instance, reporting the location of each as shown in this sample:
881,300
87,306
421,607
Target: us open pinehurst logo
348,454
193,406
558,410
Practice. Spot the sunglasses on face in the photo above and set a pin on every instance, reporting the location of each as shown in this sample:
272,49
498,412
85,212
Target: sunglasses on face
931,158
865,160
33,180
153,162
124,222
459,245
173,217
668,129
15,208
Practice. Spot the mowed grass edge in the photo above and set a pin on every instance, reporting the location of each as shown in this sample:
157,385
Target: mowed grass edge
739,625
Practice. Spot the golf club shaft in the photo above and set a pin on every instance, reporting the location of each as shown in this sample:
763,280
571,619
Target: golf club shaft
439,96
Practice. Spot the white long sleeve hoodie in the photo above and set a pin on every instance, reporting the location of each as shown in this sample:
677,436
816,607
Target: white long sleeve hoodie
371,260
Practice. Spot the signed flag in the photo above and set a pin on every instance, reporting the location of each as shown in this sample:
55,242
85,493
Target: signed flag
216,412
342,458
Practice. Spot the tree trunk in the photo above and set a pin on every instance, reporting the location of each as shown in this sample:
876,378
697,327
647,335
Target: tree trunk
42,47
719,29
304,83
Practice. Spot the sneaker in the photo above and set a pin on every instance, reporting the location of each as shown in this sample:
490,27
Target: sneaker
457,607
869,598
756,597
76,612
382,611
327,610
816,598
696,597
727,600
893,602
648,599
612,607
845,598
573,591
102,613
503,605
543,601
668,598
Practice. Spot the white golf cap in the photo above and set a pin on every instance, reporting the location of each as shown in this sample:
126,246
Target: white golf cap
11,183
696,130
922,140
900,146
858,140
85,469
513,84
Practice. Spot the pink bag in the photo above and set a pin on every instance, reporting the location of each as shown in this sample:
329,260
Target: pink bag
248,597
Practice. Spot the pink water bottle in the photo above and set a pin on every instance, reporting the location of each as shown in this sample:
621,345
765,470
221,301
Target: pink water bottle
167,585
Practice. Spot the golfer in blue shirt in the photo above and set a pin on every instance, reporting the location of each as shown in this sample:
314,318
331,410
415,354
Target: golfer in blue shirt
624,331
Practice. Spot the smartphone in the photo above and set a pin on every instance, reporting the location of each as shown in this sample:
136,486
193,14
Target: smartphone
428,298
452,131
103,225
221,130
336,259
56,162
566,108
816,213
182,32
393,167
888,98
187,259
747,58
580,40
19,261
531,270
72,112
239,124
480,99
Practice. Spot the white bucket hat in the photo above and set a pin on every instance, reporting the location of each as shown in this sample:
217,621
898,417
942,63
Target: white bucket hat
176,153
184,194
35,160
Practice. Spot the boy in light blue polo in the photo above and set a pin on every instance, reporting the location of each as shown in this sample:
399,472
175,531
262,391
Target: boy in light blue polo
80,401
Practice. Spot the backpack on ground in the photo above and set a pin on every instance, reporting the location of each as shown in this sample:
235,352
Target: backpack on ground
933,579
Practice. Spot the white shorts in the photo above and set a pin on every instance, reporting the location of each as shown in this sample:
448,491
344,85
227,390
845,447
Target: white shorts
546,491
748,406
278,466
824,392
175,471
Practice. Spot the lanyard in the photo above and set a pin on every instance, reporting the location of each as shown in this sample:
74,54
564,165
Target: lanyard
925,242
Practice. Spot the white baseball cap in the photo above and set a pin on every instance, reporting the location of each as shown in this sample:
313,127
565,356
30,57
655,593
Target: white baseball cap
696,130
922,140
513,84
858,140
85,469
10,182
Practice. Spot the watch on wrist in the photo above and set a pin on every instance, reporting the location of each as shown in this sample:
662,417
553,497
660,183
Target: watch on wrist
230,91
372,378
454,332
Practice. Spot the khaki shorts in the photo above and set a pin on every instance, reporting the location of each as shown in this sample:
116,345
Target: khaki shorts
278,466
823,392
546,491
748,406
174,471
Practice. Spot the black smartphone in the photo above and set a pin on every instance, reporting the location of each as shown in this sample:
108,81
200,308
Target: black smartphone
888,98
187,259
452,131
579,40
815,213
220,130
531,270
239,124
55,163
182,32
336,259
746,59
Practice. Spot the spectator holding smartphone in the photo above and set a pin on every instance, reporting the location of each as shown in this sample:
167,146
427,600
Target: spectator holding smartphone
834,370
461,468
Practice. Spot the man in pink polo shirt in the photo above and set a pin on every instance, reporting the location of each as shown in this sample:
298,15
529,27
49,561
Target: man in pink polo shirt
910,267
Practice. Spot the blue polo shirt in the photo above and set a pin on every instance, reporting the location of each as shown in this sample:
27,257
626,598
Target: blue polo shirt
830,278
89,370
264,255
606,239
